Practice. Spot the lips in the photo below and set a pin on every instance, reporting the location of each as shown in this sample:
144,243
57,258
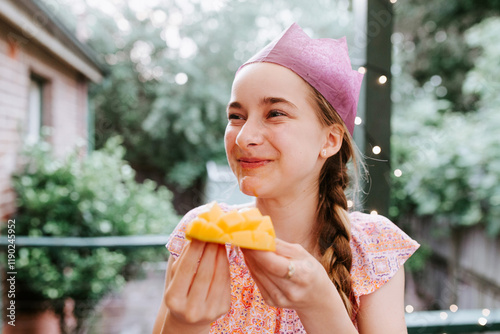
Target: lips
250,163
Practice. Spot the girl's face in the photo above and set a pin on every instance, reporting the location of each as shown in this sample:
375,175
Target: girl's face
274,138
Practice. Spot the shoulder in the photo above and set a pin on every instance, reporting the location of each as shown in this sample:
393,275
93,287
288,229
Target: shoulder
379,249
373,230
177,238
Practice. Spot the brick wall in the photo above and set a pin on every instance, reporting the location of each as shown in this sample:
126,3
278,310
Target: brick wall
64,103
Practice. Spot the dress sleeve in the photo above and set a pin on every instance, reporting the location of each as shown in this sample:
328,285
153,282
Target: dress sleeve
177,238
379,249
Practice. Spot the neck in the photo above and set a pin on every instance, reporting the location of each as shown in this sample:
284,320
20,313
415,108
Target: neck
293,219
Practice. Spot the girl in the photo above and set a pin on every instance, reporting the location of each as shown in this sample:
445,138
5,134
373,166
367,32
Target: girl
288,140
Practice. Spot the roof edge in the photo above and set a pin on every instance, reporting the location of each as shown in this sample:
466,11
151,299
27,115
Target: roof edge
35,21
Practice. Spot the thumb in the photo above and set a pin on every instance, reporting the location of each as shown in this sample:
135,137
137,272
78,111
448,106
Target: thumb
289,250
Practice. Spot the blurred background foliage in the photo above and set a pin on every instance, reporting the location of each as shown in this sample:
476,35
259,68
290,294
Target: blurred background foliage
445,113
96,196
434,36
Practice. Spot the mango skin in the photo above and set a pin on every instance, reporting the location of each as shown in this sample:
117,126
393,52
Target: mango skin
246,228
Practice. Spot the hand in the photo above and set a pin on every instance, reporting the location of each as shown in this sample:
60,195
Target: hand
199,291
307,286
308,290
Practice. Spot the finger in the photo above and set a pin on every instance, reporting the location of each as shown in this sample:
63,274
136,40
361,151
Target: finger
204,275
273,290
221,278
276,272
220,287
278,262
176,260
187,266
303,261
268,263
289,250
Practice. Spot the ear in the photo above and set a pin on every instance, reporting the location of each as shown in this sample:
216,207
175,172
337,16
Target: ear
333,143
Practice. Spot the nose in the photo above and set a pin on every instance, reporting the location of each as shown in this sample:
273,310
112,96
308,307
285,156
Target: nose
250,134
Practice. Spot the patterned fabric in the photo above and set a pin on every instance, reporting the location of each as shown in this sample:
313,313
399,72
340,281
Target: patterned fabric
379,249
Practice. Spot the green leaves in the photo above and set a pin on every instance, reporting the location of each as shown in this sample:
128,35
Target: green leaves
450,160
435,44
94,196
483,79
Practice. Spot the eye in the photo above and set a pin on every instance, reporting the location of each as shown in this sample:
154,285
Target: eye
234,117
275,113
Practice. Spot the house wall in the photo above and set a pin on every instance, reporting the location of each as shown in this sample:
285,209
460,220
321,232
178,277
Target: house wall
64,103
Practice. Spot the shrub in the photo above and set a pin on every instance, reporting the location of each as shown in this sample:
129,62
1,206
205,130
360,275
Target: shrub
90,197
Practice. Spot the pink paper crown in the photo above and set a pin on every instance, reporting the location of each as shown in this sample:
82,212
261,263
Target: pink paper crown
324,63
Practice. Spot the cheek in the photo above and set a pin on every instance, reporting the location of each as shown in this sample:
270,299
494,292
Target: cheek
229,144
301,148
229,140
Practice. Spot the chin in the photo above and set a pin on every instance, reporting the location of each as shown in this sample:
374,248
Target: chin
250,191
250,187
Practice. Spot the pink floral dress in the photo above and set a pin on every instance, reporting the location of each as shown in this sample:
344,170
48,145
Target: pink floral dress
379,249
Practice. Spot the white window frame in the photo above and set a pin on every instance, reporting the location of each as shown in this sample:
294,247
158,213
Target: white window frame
34,117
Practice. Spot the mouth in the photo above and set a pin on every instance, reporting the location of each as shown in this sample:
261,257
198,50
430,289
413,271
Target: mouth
251,163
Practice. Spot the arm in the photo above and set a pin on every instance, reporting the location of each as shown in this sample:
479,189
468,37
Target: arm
382,311
328,313
197,290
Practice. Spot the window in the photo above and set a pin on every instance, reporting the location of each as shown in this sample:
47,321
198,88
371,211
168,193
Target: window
35,110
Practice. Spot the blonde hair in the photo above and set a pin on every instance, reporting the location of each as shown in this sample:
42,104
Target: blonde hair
333,229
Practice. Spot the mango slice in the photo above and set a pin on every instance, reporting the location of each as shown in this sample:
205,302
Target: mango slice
246,228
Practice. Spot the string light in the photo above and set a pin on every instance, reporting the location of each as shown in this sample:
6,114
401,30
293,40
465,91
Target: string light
181,78
394,1
453,308
443,315
409,309
398,173
382,79
482,321
349,203
486,312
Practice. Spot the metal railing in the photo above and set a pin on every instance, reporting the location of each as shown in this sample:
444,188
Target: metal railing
461,321
423,322
89,242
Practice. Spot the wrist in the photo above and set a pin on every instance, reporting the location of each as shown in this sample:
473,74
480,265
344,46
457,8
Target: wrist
326,311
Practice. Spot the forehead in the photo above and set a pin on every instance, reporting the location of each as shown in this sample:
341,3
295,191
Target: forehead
271,80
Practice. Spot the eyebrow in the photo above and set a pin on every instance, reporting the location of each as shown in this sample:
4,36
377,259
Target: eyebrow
265,101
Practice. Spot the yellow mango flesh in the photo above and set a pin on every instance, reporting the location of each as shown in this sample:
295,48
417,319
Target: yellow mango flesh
267,226
212,214
207,232
230,222
245,228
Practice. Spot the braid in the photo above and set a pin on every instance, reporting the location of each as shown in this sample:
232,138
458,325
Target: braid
333,227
